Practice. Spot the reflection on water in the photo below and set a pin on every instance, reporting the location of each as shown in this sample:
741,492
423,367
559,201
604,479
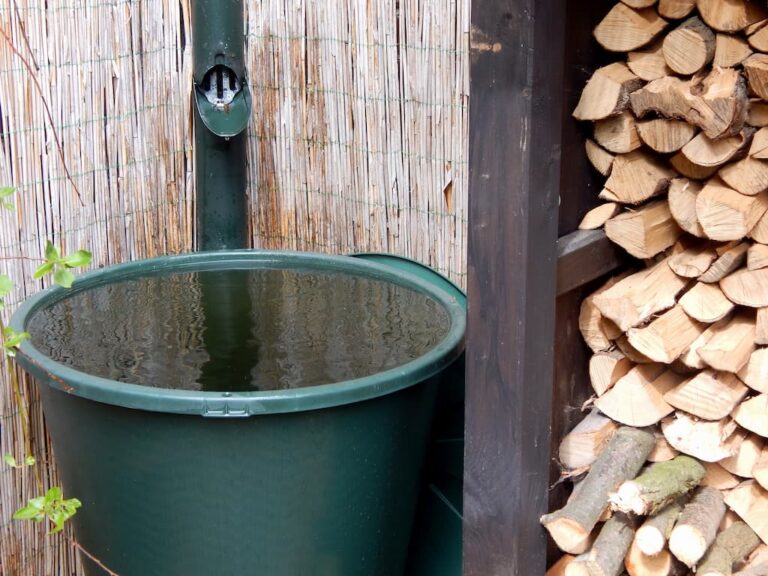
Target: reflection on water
240,329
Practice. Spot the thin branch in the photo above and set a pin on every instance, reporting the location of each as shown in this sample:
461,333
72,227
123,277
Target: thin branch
48,113
29,258
23,30
98,562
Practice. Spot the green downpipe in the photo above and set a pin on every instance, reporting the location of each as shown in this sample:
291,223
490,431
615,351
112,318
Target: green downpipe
222,111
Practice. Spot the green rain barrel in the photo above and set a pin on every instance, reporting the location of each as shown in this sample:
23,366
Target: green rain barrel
241,412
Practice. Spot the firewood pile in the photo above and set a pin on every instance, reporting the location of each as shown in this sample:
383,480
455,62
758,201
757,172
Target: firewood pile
670,467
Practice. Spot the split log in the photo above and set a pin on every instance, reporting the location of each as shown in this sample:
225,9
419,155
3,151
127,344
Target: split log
760,232
706,303
651,537
601,160
757,563
752,414
709,395
757,257
610,329
725,214
629,351
748,176
607,92
618,134
746,458
690,170
730,51
731,547
696,528
662,451
637,176
605,369
664,339
689,47
704,151
731,346
638,563
756,69
706,440
730,15
755,26
755,373
606,558
716,103
639,3
760,470
646,231
607,195
624,29
759,39
621,459
590,317
732,257
648,63
558,568
582,445
718,477
676,9
757,114
693,261
682,205
665,135
637,399
636,298
750,502
759,147
761,327
747,287
599,215
658,486
690,357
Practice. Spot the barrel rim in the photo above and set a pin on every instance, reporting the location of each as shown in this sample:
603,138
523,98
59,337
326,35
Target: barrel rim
241,404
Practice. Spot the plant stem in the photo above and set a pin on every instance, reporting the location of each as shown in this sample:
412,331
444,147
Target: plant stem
101,565
48,112
26,429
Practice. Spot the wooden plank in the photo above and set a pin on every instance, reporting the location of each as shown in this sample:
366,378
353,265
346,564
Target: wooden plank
584,255
516,94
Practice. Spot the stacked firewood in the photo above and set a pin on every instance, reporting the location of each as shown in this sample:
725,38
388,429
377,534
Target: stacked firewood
670,467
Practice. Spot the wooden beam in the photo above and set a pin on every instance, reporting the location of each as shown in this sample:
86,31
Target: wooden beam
583,256
516,93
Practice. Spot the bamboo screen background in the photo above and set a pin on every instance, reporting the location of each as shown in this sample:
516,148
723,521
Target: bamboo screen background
358,142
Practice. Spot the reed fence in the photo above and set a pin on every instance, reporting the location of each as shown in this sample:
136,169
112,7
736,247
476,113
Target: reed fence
358,142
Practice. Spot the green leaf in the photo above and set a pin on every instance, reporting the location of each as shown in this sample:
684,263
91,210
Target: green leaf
28,513
77,260
5,193
51,252
37,503
53,494
58,519
12,340
63,278
10,460
42,270
6,285
30,461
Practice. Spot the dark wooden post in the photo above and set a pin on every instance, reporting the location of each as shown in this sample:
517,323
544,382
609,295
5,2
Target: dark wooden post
516,103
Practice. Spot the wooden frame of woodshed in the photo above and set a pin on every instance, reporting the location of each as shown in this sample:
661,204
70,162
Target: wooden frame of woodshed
529,185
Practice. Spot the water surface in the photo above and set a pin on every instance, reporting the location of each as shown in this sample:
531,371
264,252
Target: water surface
240,330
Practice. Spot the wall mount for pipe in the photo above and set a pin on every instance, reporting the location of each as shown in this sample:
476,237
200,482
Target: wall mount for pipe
223,101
